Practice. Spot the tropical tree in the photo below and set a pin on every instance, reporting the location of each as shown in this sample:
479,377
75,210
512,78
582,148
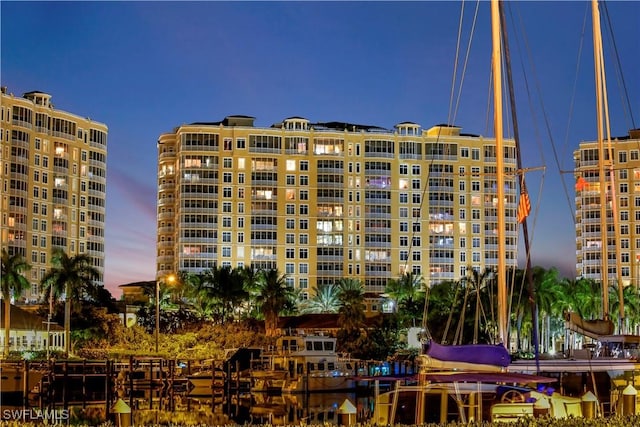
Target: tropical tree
13,283
550,303
74,277
196,292
631,304
351,315
408,293
441,306
351,312
272,295
325,300
584,296
225,287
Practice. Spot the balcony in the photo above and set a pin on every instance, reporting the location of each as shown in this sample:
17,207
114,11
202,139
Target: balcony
22,123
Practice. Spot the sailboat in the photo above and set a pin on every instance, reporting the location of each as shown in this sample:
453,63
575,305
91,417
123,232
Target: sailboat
465,377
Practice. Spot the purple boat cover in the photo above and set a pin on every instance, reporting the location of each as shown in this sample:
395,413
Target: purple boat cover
485,354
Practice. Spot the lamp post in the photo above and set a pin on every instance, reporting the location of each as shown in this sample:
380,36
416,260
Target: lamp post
170,279
157,312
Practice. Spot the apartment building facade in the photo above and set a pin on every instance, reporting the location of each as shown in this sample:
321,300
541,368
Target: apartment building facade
325,201
53,174
622,203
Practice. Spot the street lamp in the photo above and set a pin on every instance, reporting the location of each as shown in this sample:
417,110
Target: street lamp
170,279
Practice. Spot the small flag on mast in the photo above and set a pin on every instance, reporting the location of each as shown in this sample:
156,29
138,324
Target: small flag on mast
524,206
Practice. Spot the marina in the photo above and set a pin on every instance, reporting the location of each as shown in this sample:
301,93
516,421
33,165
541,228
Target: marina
153,388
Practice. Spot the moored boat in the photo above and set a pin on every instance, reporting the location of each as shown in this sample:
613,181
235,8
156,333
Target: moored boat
304,363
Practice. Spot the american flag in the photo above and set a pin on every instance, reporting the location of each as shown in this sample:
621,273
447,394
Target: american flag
524,206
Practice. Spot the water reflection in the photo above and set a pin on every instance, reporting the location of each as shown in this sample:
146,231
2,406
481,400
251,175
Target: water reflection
262,408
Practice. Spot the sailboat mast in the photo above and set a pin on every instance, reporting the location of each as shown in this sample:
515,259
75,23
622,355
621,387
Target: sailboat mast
602,121
497,115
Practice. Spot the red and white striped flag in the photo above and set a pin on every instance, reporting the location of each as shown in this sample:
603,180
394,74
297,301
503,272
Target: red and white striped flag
524,206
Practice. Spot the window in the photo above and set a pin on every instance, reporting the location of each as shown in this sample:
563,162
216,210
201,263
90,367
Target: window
404,170
227,163
291,209
226,251
290,224
290,238
290,253
241,143
622,156
291,180
289,268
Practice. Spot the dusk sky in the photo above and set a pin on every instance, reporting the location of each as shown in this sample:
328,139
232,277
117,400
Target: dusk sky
143,68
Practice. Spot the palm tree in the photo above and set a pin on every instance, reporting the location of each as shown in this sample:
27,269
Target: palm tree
325,300
272,295
74,277
351,295
550,300
584,296
631,304
226,288
13,283
196,291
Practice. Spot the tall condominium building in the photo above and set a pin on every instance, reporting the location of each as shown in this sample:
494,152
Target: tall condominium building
622,200
53,178
325,201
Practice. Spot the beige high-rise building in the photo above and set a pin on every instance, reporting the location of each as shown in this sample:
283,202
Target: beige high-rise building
325,201
53,174
623,236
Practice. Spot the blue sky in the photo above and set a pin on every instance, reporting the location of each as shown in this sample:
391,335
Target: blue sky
145,67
